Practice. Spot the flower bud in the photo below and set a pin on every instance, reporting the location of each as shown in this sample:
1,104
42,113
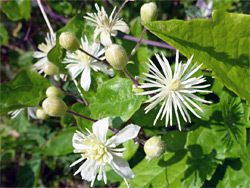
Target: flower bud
116,56
149,12
54,106
53,91
40,114
68,41
154,147
50,69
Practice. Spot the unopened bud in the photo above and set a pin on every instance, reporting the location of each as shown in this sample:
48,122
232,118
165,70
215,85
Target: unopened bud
154,147
54,106
53,91
116,56
50,69
149,12
40,114
68,41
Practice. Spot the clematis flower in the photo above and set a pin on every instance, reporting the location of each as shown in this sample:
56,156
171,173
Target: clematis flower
42,54
30,110
103,25
176,90
97,151
79,62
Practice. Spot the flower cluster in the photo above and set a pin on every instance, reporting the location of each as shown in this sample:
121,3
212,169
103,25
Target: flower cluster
174,90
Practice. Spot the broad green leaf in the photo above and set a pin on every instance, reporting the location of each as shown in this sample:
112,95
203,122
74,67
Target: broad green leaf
60,144
3,35
221,45
29,174
130,151
166,171
223,5
237,174
115,99
16,9
26,90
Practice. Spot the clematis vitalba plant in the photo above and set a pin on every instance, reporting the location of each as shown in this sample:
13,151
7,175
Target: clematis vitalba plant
125,93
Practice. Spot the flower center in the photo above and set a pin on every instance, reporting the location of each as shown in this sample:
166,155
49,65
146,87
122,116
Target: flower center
84,58
96,151
175,85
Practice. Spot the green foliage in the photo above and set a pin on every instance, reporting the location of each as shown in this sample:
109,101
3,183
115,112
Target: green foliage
3,35
115,99
222,45
61,143
16,9
29,173
25,90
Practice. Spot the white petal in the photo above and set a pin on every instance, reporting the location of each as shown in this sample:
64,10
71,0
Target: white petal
121,26
86,79
106,39
127,133
77,161
100,128
122,168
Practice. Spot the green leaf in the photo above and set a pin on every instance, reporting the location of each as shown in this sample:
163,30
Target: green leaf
166,171
16,9
237,174
29,174
26,90
130,151
115,99
60,144
221,44
3,35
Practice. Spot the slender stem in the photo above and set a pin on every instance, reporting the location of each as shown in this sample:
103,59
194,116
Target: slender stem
46,18
142,142
131,77
84,100
149,42
97,59
79,115
52,14
113,130
61,85
138,44
117,14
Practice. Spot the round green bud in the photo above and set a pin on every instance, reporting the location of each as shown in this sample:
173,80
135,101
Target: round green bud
148,12
40,114
50,69
154,147
116,56
68,41
53,91
54,106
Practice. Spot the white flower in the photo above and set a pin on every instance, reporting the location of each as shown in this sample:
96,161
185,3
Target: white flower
102,23
175,90
42,54
30,110
206,9
97,151
79,62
